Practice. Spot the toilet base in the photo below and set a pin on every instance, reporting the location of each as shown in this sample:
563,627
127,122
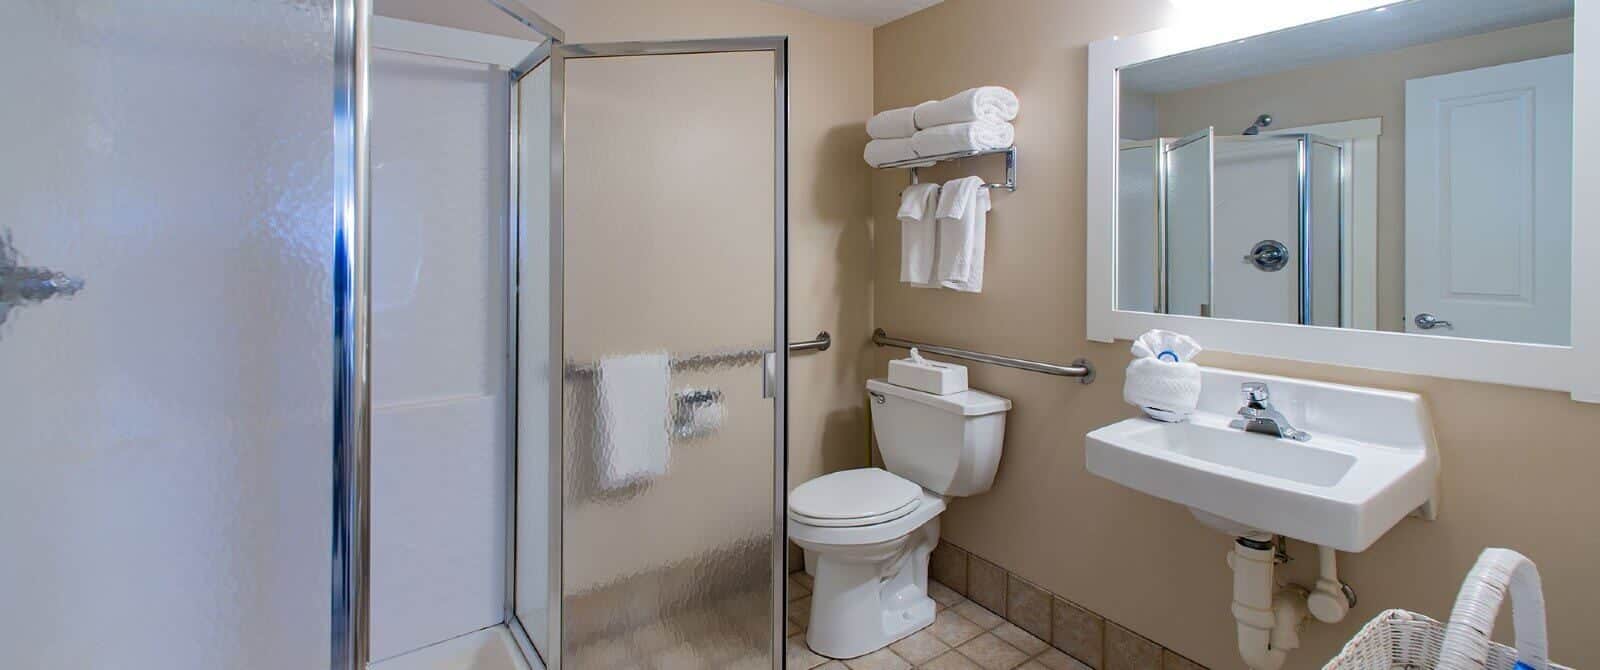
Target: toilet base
866,597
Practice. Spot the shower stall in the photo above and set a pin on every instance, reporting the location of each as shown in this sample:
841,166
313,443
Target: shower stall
333,340
1247,226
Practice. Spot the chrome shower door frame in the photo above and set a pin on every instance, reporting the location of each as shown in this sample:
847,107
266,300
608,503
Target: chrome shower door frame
350,602
562,52
350,606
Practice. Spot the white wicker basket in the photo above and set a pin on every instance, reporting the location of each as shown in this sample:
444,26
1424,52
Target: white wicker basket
1401,640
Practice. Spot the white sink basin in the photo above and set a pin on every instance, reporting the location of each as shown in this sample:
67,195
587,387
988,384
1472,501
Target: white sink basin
1371,460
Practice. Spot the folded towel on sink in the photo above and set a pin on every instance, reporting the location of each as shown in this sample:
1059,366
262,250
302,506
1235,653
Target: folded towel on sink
1162,380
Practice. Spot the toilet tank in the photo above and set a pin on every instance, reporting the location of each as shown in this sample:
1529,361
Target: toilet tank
949,444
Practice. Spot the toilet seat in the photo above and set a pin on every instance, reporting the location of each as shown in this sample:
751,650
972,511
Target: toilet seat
854,498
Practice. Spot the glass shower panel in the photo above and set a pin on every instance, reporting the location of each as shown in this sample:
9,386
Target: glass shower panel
1138,239
533,550
1188,225
165,468
669,301
1325,245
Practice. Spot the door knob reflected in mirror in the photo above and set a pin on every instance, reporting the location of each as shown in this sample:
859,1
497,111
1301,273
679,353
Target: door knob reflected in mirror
1428,321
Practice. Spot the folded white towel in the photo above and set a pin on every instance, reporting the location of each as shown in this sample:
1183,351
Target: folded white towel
1166,345
985,103
919,238
969,136
894,124
963,215
1167,392
879,152
1162,380
633,418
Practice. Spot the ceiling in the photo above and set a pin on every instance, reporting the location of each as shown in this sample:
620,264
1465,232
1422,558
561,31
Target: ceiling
1372,31
870,12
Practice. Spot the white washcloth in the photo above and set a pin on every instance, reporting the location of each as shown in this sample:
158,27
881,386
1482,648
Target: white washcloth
894,124
919,234
1162,380
633,418
879,152
969,136
963,215
985,103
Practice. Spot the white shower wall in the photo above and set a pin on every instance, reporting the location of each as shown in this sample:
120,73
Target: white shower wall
439,353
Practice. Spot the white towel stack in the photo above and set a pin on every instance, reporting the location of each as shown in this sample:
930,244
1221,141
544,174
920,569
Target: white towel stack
1162,380
977,119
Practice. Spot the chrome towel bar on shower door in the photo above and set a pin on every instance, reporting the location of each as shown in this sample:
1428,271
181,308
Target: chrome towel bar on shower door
1082,369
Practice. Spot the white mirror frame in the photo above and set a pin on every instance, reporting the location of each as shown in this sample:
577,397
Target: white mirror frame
1575,369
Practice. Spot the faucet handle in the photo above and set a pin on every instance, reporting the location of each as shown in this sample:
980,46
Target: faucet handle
1255,392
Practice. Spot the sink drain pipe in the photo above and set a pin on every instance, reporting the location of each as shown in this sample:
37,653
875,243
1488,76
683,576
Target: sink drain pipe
1269,618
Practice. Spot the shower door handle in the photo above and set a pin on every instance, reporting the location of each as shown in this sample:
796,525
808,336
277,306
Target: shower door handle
769,375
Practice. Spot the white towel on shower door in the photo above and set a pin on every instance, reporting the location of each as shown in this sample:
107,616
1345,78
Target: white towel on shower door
963,216
919,235
633,418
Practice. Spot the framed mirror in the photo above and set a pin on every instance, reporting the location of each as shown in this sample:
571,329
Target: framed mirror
1388,185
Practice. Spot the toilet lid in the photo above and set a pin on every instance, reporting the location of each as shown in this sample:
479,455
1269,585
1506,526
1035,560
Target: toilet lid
854,498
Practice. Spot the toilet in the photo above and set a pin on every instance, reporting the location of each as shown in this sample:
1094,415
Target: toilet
867,533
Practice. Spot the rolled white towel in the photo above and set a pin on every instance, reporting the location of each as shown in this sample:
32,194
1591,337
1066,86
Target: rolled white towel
879,152
1166,391
1162,380
894,124
985,103
969,136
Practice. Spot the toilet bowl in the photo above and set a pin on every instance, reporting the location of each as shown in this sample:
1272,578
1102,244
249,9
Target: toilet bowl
868,533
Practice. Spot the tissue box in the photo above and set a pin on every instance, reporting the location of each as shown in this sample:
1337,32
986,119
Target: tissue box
928,376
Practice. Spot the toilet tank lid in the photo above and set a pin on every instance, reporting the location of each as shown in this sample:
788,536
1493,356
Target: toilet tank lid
967,403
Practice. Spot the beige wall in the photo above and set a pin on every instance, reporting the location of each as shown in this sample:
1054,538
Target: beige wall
1518,464
1360,88
829,239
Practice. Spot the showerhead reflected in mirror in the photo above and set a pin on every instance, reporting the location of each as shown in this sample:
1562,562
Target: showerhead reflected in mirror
1404,169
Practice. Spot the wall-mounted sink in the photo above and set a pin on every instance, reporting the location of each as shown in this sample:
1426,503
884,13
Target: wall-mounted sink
1371,460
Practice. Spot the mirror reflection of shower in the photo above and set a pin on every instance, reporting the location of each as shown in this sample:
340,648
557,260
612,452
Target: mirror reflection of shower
1249,226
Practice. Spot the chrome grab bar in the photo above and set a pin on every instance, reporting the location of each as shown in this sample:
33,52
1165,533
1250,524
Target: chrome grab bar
1082,369
821,343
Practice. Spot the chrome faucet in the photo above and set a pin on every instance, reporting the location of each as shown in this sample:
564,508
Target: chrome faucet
1259,416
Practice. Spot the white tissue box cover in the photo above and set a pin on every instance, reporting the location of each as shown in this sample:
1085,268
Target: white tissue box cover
928,376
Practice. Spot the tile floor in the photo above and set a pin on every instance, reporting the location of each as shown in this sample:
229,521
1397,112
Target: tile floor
964,636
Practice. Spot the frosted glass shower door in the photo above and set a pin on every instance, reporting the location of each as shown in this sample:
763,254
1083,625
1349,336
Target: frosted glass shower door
672,302
165,460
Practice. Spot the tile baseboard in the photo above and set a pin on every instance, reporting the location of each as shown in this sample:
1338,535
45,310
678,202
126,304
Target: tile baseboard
1076,630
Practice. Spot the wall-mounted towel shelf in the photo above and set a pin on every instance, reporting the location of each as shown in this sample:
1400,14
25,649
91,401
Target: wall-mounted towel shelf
1082,369
922,161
